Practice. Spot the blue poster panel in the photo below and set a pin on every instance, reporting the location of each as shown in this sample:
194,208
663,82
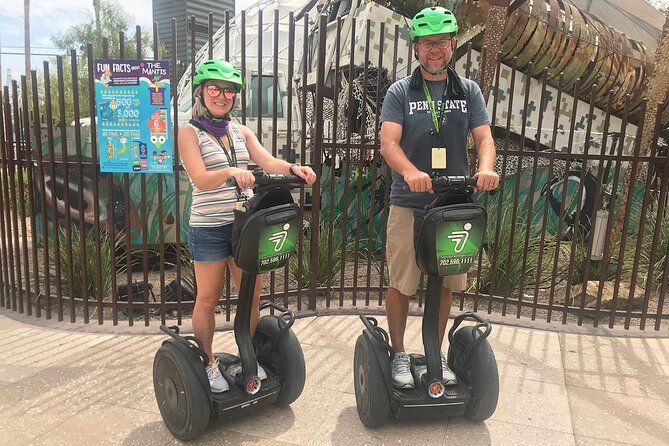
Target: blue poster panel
132,101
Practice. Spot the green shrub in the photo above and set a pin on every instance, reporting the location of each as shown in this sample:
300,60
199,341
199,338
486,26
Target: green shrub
182,260
661,224
577,274
27,190
86,263
327,267
502,276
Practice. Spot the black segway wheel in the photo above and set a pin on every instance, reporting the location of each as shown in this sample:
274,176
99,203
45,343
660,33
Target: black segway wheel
482,376
371,393
183,402
286,361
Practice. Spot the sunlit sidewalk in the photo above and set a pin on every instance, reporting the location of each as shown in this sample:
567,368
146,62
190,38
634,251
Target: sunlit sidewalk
77,387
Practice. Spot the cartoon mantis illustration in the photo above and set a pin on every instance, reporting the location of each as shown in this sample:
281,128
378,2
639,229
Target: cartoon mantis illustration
124,145
158,127
155,84
108,110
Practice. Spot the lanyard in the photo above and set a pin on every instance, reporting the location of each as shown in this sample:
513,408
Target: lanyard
436,121
232,157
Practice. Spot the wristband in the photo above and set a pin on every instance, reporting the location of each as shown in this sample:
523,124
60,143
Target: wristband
290,168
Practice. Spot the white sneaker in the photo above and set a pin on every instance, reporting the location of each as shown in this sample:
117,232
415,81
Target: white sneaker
216,381
449,377
401,371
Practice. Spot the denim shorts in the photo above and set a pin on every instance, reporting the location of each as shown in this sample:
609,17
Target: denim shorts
210,244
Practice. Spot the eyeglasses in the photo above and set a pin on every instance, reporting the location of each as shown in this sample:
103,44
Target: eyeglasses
215,91
428,45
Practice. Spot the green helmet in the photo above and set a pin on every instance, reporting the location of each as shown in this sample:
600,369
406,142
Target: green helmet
217,70
434,20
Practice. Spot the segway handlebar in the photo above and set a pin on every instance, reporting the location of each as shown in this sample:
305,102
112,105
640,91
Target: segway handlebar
264,179
440,184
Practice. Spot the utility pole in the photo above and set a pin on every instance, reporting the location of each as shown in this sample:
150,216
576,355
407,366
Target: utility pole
1,62
26,28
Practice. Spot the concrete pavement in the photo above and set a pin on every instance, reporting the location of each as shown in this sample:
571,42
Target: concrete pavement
68,384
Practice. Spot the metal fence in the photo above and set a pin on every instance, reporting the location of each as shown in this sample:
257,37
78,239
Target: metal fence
81,245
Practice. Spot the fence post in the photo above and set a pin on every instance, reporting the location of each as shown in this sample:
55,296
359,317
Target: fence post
316,159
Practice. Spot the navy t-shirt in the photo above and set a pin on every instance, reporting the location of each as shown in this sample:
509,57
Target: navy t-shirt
406,104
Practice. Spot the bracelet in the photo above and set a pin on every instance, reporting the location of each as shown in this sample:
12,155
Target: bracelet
290,168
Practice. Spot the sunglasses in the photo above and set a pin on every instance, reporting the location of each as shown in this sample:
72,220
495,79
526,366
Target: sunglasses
215,91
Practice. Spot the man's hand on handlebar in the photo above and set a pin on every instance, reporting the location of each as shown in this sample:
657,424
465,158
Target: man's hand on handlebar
486,180
418,181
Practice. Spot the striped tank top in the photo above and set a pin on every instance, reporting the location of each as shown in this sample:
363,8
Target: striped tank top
214,207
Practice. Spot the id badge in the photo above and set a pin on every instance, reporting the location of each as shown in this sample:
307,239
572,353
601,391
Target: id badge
438,158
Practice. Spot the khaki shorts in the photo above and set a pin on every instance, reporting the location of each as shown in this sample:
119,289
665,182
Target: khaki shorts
403,272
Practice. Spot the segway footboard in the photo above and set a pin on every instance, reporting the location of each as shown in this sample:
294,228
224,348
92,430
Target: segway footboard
414,403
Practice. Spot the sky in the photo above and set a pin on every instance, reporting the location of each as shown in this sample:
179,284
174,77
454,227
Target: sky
50,17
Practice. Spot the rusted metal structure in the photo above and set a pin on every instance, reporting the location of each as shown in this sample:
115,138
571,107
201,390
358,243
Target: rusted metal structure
554,34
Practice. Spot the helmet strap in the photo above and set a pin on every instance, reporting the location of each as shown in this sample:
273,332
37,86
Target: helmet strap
435,72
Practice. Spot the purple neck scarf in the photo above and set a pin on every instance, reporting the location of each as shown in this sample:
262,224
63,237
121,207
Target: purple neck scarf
218,128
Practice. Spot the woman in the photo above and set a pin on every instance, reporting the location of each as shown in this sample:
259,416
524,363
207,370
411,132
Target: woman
213,150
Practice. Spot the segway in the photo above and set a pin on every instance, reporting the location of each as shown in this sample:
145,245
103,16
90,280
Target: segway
447,236
264,238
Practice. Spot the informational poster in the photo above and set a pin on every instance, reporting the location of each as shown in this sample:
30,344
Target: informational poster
132,101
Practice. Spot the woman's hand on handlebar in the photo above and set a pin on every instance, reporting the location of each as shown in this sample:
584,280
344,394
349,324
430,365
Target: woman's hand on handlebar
418,181
304,172
486,180
244,178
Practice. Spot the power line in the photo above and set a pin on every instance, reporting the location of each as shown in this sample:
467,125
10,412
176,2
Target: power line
32,54
36,47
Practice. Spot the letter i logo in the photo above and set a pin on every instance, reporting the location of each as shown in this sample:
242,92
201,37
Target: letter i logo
279,238
460,238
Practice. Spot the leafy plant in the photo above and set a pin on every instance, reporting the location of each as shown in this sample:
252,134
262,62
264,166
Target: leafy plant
182,261
577,273
502,277
326,270
654,223
27,190
330,260
86,264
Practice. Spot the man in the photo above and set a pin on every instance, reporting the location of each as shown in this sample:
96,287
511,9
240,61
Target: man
425,121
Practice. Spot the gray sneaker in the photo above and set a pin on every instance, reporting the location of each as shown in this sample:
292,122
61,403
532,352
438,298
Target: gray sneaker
216,381
401,371
449,377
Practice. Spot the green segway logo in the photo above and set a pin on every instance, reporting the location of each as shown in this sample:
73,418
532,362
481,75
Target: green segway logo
458,245
279,238
277,243
460,238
